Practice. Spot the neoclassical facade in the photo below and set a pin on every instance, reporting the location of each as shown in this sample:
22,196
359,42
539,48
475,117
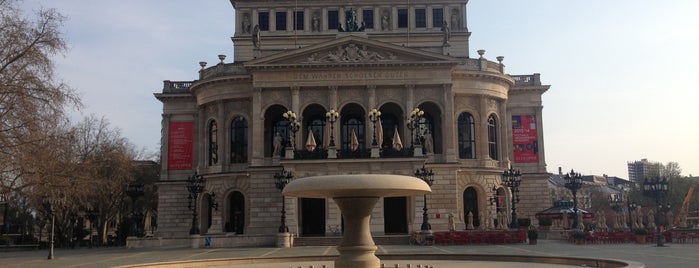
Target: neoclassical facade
332,65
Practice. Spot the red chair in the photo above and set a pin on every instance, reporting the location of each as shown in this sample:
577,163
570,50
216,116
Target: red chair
459,238
442,238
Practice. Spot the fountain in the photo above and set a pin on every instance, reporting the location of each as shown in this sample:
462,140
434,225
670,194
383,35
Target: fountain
356,196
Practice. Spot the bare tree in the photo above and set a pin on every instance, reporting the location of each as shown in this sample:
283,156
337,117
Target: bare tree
32,100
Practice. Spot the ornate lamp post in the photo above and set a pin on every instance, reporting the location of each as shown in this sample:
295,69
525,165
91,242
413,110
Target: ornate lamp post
293,127
428,177
413,122
573,181
511,178
332,116
374,116
195,185
134,190
281,180
656,188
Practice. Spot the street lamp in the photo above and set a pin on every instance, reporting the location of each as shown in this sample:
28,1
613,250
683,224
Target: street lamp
428,177
332,116
374,116
512,178
53,223
134,190
656,188
413,122
195,185
281,180
293,127
573,181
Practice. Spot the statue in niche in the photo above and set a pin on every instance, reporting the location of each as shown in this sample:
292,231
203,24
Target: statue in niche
277,144
427,143
246,24
447,33
385,22
315,24
455,20
256,37
351,24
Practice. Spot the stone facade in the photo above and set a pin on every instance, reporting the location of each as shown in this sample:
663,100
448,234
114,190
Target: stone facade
224,124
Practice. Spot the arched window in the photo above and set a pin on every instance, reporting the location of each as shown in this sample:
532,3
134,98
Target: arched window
239,140
492,137
471,205
213,145
467,136
349,123
235,223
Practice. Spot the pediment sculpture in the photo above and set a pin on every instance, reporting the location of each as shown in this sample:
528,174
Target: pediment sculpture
350,53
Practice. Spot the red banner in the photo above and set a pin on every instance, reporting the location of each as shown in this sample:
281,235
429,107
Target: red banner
524,139
180,146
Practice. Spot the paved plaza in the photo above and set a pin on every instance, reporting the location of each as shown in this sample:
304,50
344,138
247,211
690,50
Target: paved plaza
673,255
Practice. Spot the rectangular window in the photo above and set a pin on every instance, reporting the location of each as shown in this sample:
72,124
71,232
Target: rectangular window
420,18
368,18
263,21
402,18
437,17
333,19
298,20
281,21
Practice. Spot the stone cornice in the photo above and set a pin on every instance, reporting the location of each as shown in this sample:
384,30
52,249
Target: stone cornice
498,78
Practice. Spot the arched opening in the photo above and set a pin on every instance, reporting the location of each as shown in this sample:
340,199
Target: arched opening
206,213
492,137
314,120
391,120
213,143
432,121
471,205
239,140
275,123
236,213
352,120
395,215
467,136
312,217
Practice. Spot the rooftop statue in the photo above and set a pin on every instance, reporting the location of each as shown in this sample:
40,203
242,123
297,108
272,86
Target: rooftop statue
351,22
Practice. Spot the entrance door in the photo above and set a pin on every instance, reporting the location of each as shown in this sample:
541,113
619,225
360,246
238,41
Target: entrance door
471,205
312,217
236,213
395,215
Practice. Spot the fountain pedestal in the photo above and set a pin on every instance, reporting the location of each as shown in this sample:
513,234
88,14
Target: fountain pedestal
356,196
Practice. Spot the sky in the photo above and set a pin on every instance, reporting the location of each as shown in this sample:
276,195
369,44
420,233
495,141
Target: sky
622,73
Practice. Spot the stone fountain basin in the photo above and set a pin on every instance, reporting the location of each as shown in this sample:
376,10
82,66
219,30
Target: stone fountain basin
356,185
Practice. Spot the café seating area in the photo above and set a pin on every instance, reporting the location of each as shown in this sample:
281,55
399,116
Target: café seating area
478,237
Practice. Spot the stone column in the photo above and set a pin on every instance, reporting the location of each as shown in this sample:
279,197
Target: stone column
482,146
223,132
164,144
256,144
447,138
272,20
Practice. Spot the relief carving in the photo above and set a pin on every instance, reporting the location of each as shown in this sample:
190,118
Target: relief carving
350,53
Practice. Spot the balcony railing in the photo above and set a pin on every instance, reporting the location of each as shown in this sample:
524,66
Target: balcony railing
527,80
176,86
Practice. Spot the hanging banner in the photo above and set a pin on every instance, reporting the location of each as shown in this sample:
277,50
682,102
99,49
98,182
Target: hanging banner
180,146
524,139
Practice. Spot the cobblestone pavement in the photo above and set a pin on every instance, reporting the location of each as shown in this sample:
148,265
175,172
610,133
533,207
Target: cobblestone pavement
673,255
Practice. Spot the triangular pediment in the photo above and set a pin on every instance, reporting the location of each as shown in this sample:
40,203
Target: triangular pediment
351,50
